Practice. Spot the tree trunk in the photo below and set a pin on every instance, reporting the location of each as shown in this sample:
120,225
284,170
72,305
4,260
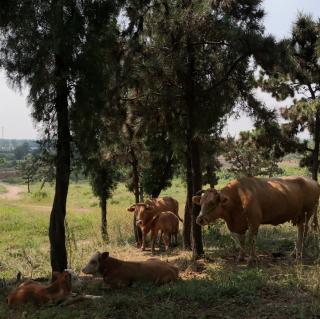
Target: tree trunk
315,155
136,190
58,250
188,207
193,150
141,197
211,177
28,182
104,229
197,246
42,184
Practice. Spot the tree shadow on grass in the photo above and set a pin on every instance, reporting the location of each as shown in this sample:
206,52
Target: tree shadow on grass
231,292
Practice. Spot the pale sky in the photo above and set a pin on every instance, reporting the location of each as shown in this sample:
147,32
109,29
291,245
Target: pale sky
15,114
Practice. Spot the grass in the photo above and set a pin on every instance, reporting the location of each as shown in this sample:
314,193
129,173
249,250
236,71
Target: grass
214,287
2,189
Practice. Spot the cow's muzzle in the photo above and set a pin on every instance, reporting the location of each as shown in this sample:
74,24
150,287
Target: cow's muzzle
201,220
139,222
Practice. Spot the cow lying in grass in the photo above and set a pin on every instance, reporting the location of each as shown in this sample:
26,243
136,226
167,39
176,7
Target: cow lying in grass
58,292
117,273
144,213
247,203
32,291
168,225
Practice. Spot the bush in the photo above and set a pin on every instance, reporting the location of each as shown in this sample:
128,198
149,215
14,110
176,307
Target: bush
40,195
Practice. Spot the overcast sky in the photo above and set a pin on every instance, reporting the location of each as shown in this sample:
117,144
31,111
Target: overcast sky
15,114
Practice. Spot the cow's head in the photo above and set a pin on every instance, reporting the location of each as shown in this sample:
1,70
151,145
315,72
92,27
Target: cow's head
213,205
94,264
141,210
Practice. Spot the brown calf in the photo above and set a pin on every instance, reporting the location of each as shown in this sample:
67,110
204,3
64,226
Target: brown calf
117,273
32,291
168,224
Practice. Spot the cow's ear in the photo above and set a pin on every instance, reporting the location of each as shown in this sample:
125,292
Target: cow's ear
55,276
132,208
196,200
104,256
224,199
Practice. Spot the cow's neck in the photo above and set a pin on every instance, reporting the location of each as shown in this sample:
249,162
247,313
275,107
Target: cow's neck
109,264
57,286
228,215
229,221
149,224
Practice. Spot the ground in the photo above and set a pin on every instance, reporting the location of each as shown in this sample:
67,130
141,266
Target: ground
214,287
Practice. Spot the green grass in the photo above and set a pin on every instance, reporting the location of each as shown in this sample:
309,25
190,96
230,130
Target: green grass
2,189
215,287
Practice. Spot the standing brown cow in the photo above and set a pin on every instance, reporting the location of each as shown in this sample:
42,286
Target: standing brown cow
146,211
168,224
248,202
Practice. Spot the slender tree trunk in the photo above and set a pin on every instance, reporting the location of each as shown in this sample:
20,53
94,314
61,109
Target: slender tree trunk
141,197
136,190
104,229
136,181
211,176
42,184
135,173
315,155
197,246
28,182
188,207
58,250
193,150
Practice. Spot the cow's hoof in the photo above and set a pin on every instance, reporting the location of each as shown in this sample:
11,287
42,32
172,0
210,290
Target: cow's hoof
293,254
240,258
252,262
296,255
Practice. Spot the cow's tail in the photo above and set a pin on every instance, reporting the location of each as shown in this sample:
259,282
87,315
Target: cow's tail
315,222
180,219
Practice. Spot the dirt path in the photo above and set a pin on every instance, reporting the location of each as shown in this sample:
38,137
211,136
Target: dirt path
13,192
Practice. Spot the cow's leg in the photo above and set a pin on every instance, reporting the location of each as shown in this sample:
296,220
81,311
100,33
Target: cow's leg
143,247
160,239
240,242
139,237
154,236
302,233
253,232
166,238
176,239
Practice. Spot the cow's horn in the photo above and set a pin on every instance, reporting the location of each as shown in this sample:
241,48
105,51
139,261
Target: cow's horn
200,192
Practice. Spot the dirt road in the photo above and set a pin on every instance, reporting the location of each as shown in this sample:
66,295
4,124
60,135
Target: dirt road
13,192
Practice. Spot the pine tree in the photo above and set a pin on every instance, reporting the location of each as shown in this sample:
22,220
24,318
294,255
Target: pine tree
296,74
41,47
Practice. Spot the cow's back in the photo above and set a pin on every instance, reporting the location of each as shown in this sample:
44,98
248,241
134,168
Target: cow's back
280,199
168,222
166,203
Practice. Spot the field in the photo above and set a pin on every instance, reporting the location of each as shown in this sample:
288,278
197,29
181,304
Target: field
213,287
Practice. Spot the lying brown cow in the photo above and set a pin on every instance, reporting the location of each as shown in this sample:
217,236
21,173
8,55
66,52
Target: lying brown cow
247,203
168,224
117,273
32,291
144,212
